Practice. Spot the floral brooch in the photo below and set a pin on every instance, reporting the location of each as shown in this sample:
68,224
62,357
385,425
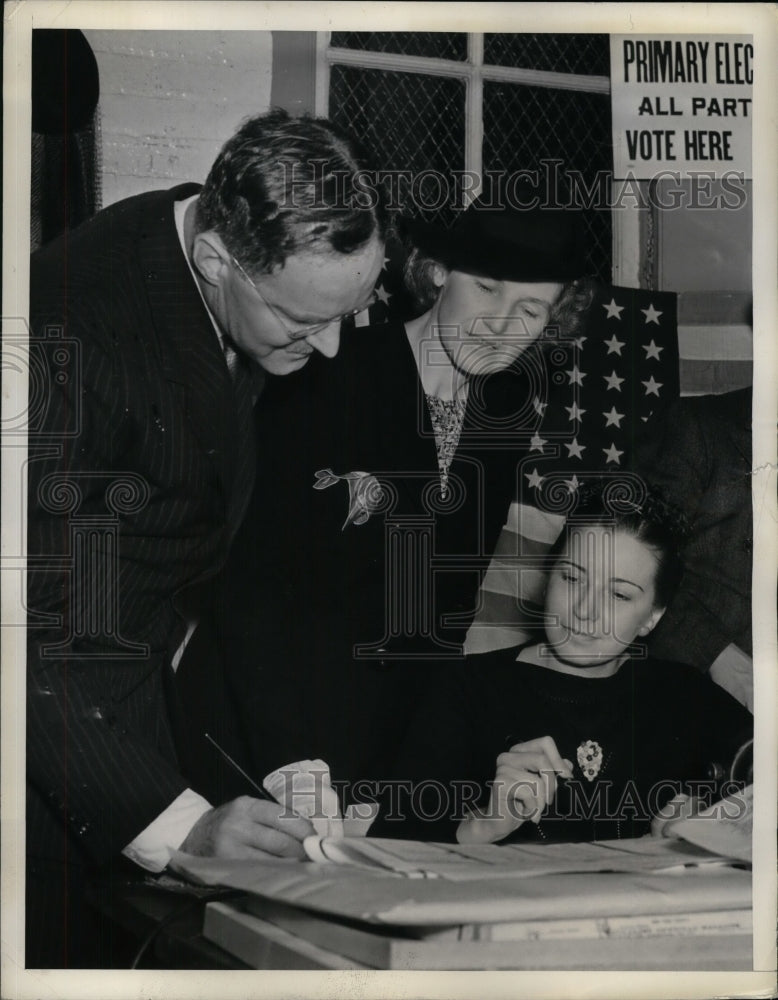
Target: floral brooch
589,755
365,495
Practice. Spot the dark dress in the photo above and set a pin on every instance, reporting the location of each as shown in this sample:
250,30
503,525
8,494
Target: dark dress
660,726
313,575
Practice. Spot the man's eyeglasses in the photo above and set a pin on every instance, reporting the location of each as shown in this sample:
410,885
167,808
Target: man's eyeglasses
301,332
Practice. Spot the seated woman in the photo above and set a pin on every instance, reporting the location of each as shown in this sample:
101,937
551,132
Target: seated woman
384,477
581,736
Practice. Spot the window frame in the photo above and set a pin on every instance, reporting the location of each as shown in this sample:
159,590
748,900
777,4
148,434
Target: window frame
626,229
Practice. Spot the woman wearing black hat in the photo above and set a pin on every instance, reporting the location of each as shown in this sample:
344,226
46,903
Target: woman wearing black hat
385,476
491,287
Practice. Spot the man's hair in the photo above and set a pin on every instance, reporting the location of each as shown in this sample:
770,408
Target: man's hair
566,316
282,185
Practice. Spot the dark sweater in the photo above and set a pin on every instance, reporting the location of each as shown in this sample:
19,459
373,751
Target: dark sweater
660,725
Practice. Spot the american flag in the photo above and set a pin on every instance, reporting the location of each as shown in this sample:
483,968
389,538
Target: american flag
607,388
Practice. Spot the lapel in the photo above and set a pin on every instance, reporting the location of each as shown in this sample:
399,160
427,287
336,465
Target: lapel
192,358
407,451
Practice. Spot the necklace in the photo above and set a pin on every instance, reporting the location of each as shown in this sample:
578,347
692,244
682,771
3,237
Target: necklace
447,417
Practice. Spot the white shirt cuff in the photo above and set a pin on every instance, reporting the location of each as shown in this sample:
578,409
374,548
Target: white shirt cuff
734,671
152,847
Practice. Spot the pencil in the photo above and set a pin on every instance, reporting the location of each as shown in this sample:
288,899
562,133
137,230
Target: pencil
262,792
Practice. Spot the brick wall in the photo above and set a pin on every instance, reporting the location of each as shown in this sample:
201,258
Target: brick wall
169,99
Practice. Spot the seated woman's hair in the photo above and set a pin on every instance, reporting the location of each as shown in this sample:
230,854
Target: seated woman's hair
643,512
566,315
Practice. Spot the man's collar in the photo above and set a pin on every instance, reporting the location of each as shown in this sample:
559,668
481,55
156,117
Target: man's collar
183,212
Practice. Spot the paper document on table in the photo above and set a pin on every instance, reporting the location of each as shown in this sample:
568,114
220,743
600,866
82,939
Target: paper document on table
458,862
380,896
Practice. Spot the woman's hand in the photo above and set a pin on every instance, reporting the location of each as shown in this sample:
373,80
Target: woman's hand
523,786
680,806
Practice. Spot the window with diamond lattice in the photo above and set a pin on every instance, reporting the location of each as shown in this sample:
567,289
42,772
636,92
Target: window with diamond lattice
433,106
413,126
587,54
437,44
558,135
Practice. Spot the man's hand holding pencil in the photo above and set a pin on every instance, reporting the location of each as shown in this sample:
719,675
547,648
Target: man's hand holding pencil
248,827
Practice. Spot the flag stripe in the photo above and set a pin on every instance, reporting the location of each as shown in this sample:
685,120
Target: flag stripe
510,540
720,343
527,582
485,638
534,524
714,377
713,308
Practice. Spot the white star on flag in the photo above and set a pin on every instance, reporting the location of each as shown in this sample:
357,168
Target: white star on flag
574,413
579,342
612,454
534,479
613,311
572,484
614,346
539,408
599,393
651,314
652,351
575,450
382,295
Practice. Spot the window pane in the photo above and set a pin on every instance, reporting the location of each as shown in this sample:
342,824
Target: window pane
436,44
409,123
525,127
587,54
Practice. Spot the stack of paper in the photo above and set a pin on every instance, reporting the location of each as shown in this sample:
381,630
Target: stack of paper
403,904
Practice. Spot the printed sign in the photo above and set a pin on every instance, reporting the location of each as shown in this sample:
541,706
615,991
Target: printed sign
681,104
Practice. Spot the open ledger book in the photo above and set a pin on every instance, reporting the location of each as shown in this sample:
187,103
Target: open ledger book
650,903
407,904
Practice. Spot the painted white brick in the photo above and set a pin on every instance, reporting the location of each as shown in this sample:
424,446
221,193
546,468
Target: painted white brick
169,99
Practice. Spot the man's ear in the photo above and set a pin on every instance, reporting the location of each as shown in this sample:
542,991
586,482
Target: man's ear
651,621
210,256
439,275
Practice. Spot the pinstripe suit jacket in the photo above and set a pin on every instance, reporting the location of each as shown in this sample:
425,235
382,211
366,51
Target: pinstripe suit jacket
132,502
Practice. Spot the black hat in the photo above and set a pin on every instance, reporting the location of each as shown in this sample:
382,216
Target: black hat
507,243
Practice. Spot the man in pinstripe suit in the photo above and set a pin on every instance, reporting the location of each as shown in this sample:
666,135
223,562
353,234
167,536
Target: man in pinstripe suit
152,325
